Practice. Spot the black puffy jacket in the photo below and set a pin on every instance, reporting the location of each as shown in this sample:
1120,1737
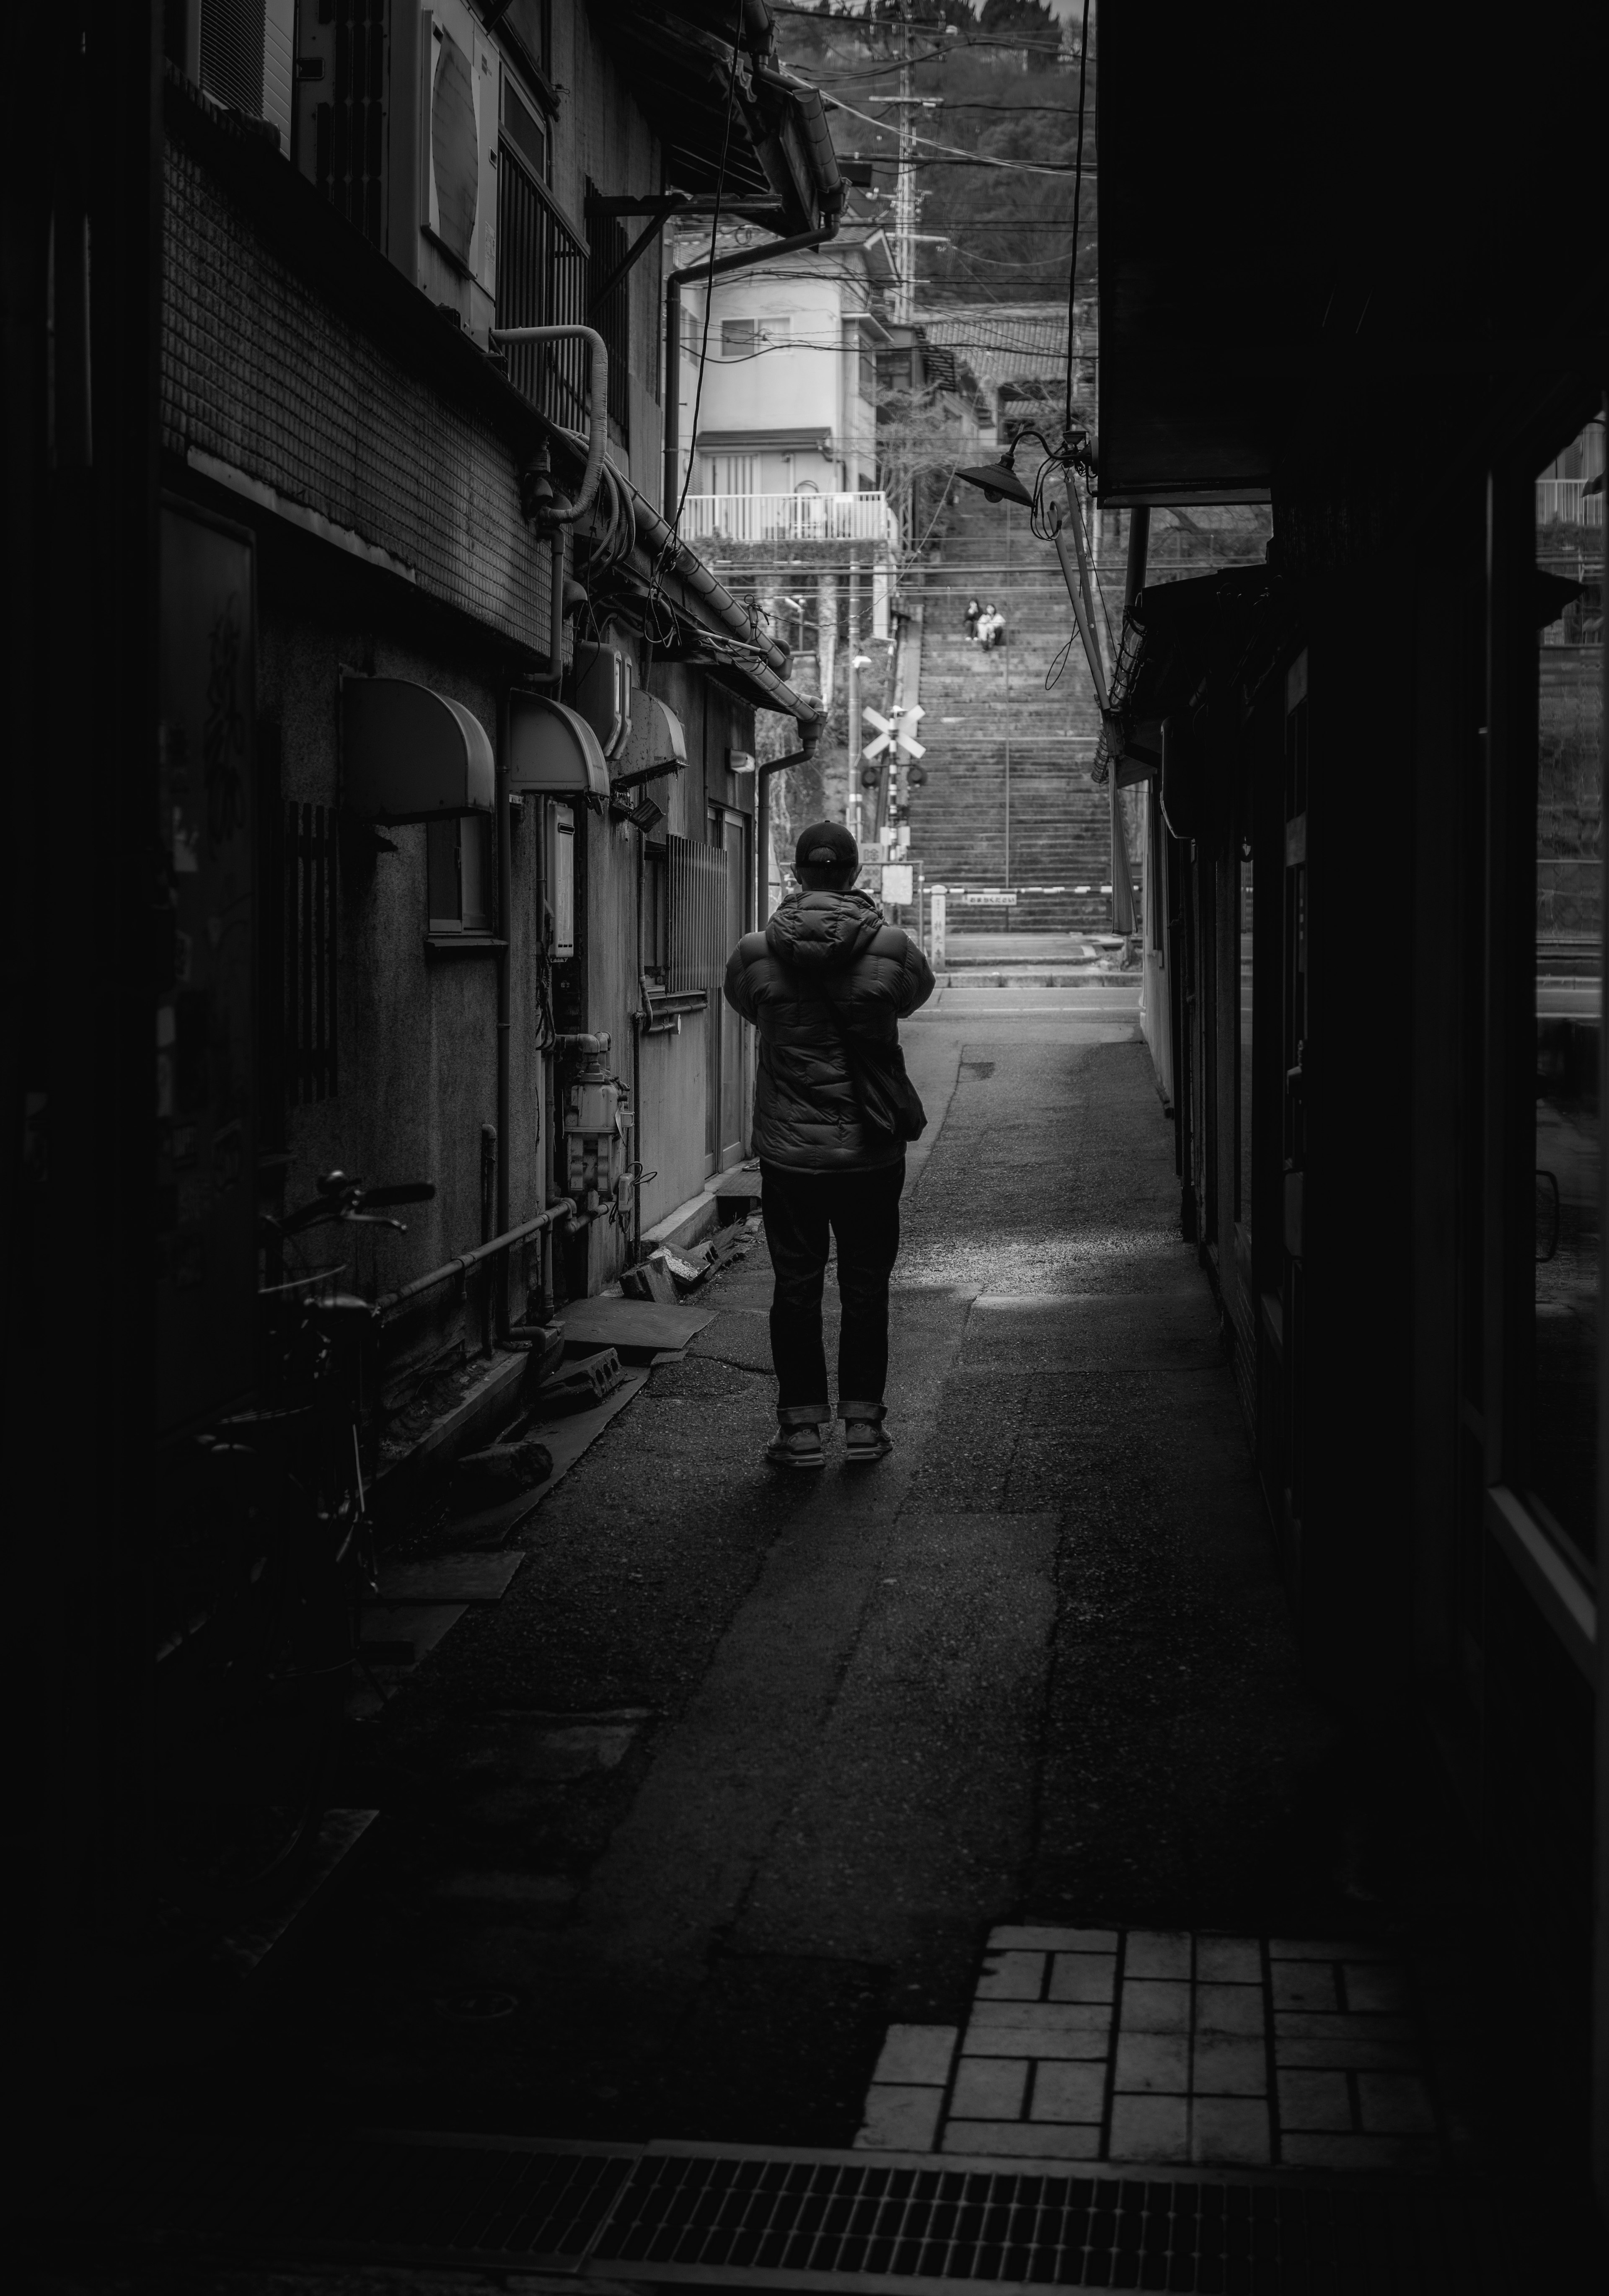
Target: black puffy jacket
821,946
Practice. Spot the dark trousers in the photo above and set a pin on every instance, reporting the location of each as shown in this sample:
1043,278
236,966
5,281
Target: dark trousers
860,1210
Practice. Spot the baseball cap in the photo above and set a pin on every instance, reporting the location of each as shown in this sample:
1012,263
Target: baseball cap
826,845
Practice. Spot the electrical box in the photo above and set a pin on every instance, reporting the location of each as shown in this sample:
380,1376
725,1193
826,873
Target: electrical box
560,874
596,1123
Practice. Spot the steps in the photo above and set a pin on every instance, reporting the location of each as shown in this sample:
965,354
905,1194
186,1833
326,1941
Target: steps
1008,802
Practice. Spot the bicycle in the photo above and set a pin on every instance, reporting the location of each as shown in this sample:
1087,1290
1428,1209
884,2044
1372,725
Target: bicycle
267,1553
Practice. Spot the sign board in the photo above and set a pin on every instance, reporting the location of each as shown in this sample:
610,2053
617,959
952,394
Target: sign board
897,881
990,901
937,906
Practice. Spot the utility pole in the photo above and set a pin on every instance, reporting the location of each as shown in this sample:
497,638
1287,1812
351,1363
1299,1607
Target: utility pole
905,182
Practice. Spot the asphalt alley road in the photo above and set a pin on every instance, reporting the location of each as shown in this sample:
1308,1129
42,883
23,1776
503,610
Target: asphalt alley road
745,1766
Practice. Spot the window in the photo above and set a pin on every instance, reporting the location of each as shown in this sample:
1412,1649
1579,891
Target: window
1569,986
542,270
524,127
458,856
737,339
867,374
697,914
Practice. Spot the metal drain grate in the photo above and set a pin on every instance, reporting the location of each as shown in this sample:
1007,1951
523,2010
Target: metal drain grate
813,2223
749,2217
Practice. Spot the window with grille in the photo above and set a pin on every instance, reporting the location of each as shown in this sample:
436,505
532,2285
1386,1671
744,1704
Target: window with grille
697,914
542,274
311,887
610,312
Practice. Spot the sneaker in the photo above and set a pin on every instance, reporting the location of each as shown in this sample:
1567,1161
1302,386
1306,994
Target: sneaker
864,1440
796,1446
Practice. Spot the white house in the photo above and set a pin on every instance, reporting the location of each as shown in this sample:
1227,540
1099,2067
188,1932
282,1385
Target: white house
782,431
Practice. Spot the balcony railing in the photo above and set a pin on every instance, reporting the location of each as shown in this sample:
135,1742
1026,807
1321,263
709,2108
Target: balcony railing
1565,502
541,283
790,518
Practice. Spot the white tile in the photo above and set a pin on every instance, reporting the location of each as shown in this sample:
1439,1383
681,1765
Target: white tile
1224,2066
1153,2064
1229,2009
1154,2005
1149,2129
1228,1960
1010,1976
1304,1985
1313,2102
1230,2129
917,2053
1036,2028
1032,1940
1157,1953
900,2119
990,2088
1022,2140
1082,1976
1068,2093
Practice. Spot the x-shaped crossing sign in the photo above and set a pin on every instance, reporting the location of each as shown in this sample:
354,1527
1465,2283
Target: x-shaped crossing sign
890,736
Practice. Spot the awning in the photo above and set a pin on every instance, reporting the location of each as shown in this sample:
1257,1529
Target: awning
409,753
654,743
552,751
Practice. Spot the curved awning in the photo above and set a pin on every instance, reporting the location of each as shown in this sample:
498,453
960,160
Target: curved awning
553,749
409,753
654,743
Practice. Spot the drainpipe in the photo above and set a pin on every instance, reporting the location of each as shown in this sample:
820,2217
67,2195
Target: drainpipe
677,280
811,734
550,516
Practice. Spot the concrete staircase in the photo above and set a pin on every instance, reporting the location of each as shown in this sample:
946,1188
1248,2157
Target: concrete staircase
1000,748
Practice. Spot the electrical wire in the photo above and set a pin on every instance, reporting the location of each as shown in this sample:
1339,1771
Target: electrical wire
974,158
674,383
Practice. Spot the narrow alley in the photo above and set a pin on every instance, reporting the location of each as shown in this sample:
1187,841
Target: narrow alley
973,1807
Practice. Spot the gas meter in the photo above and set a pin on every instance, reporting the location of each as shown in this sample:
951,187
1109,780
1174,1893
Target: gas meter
596,1123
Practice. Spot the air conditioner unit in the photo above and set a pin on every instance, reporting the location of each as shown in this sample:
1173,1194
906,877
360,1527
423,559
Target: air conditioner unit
461,84
397,124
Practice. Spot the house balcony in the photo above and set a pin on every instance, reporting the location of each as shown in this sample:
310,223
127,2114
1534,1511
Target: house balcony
1565,502
803,517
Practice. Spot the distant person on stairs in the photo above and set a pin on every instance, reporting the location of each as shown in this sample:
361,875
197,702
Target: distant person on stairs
991,627
827,985
970,617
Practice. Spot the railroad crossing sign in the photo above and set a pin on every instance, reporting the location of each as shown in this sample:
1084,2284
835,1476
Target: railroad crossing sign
890,735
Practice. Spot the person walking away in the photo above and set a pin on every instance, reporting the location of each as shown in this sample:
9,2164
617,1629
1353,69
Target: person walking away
970,617
827,985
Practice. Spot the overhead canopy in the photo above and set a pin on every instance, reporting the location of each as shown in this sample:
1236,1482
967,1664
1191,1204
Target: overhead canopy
654,743
552,751
769,129
409,753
